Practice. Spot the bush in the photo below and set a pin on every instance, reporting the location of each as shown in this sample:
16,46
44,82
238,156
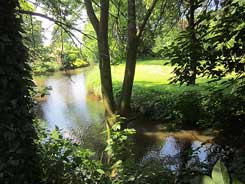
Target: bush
192,108
72,60
42,67
78,63
64,161
224,109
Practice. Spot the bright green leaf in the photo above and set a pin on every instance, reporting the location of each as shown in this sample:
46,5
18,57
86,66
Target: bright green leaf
220,174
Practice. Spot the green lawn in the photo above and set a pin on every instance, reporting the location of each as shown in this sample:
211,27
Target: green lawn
199,106
149,74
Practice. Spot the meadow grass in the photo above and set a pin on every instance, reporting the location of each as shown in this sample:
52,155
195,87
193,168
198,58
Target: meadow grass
202,105
149,74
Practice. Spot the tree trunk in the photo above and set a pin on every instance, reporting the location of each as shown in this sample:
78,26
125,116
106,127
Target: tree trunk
18,159
104,59
132,48
193,40
101,29
131,60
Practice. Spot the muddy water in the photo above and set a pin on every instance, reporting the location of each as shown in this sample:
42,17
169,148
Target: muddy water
68,107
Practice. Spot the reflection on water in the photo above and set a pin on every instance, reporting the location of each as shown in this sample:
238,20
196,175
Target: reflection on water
175,153
68,107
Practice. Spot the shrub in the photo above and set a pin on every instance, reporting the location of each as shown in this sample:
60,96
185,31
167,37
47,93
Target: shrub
42,67
64,161
219,174
78,63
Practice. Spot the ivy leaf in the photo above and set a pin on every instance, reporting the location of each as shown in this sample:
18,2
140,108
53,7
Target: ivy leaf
220,174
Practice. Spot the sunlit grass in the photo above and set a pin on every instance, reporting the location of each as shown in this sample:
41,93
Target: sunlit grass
149,74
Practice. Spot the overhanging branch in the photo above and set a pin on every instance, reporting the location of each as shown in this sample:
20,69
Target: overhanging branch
146,18
59,23
91,14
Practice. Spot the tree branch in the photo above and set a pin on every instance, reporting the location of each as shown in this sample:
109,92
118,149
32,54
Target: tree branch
146,18
90,11
60,23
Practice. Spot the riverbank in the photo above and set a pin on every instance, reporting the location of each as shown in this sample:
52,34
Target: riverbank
48,67
205,105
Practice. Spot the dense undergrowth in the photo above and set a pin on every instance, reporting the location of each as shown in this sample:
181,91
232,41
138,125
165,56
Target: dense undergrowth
64,160
216,104
41,67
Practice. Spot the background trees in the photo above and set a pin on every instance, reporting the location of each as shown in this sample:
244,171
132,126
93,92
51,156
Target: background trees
209,45
225,48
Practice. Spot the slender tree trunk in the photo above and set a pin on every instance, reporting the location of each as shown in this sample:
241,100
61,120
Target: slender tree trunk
131,60
134,39
104,58
101,29
193,41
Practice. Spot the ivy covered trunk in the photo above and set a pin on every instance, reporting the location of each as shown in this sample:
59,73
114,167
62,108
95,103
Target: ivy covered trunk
18,160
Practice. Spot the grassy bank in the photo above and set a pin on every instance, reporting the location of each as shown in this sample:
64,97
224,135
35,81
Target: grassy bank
202,105
150,75
44,67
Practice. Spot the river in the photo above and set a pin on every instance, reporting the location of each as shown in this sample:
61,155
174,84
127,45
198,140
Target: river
69,107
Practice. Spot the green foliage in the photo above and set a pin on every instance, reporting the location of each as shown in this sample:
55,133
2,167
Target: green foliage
165,40
218,47
71,59
119,145
214,108
48,63
220,175
90,50
181,54
201,106
18,159
225,43
186,52
42,67
33,34
78,63
223,108
179,109
64,161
